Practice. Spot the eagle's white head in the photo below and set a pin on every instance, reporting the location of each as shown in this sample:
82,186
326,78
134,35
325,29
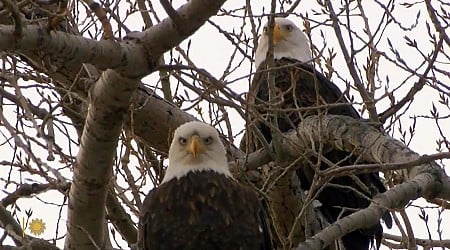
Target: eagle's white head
196,146
289,42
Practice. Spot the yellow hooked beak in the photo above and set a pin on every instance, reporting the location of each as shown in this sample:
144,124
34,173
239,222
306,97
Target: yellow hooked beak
195,146
278,34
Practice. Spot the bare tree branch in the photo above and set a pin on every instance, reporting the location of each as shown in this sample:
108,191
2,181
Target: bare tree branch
350,65
103,54
396,197
425,243
110,99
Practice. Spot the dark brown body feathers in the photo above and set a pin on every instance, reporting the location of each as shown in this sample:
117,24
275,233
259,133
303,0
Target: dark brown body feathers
203,210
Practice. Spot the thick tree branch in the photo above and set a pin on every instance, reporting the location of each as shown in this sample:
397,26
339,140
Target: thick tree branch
35,244
26,190
127,58
110,100
7,220
350,135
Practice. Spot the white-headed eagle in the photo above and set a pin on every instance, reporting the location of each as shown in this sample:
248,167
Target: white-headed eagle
199,205
300,88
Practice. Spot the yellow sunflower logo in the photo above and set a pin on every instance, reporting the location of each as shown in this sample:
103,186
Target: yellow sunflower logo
37,227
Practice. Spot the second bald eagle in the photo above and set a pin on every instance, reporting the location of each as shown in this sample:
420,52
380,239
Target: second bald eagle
299,86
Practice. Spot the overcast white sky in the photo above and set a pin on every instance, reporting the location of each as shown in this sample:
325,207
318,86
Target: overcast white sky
210,50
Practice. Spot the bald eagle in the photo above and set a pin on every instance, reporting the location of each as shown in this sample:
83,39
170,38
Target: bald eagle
300,88
199,205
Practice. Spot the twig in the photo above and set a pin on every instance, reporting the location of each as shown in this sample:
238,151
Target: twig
120,218
101,15
293,6
426,243
369,168
273,96
445,204
437,24
416,88
368,101
411,243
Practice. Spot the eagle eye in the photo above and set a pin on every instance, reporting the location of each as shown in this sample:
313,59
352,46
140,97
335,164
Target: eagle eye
182,140
289,27
208,140
265,29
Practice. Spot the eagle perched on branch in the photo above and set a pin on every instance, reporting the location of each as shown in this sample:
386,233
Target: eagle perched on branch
199,205
301,92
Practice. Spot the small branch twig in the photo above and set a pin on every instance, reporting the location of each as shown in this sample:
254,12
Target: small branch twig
101,14
416,88
368,101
